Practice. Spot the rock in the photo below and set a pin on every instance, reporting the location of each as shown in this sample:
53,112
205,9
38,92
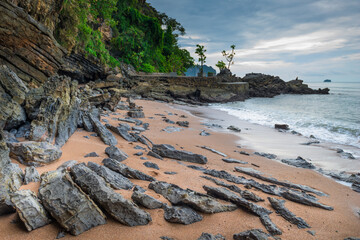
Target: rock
151,165
355,187
168,121
165,150
23,131
139,129
195,200
182,215
212,125
105,135
170,173
266,155
312,233
138,154
344,154
138,189
137,147
231,160
30,211
299,162
208,236
12,84
34,153
166,238
155,155
311,142
233,128
86,123
183,123
214,151
122,131
144,158
9,137
115,153
253,234
31,175
67,164
136,114
61,234
198,168
118,207
171,129
116,180
146,126
87,137
269,225
92,154
244,153
126,171
73,209
146,200
282,127
280,208
204,133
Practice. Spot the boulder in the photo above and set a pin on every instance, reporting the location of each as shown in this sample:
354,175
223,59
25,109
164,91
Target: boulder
198,201
182,215
233,128
299,162
183,123
68,204
116,180
282,126
92,154
31,175
34,153
116,154
118,207
136,114
30,210
126,171
253,234
165,150
146,200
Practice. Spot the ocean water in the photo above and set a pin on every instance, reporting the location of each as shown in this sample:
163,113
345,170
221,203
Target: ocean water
333,118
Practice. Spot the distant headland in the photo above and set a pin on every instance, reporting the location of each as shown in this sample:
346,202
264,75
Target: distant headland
327,80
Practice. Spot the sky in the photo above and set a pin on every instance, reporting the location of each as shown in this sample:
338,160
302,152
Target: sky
313,40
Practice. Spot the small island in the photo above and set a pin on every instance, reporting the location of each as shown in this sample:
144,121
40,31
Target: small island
327,80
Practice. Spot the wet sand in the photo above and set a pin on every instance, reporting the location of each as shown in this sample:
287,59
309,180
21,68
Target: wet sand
343,222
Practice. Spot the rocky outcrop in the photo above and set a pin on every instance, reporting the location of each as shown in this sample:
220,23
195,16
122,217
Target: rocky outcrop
116,154
68,204
31,175
165,150
27,46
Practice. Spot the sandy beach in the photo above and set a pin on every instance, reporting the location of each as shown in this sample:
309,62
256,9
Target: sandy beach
342,222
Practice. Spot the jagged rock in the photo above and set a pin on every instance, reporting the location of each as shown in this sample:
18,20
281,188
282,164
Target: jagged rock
106,136
73,209
86,123
31,175
151,165
67,164
136,114
311,142
23,131
126,171
269,225
204,133
12,84
244,153
183,123
116,180
344,154
266,155
138,189
225,175
139,129
299,162
34,153
214,151
356,187
231,160
155,155
233,128
165,150
92,154
146,200
198,168
9,137
61,234
244,193
253,234
118,207
198,201
31,212
137,147
208,236
138,154
170,173
122,131
168,121
282,126
280,208
115,153
305,199
182,215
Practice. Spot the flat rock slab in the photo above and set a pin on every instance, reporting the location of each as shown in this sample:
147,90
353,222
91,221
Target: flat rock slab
151,165
118,207
30,211
145,200
198,201
299,162
122,131
165,150
231,160
106,136
68,204
116,180
31,175
254,234
34,153
182,215
115,153
126,171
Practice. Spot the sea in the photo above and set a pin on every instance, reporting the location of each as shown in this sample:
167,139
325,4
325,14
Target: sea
332,118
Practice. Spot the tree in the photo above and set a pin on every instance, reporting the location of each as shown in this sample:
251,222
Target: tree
221,65
229,56
200,50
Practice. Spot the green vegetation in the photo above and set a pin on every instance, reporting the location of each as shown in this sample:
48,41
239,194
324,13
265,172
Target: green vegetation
229,56
129,31
200,51
221,65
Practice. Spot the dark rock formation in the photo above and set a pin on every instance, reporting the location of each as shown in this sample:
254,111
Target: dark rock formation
126,171
233,128
122,131
155,155
118,207
208,236
31,175
182,215
253,234
266,155
73,209
34,153
355,187
299,162
183,123
92,154
231,160
136,113
151,165
269,225
116,154
146,200
30,211
214,151
116,180
165,150
204,133
282,126
198,201
280,208
106,136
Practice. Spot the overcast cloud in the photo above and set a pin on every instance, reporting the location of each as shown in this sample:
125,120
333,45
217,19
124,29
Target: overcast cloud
312,40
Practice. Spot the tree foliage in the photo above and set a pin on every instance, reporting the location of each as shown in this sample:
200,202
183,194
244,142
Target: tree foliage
200,51
229,56
221,65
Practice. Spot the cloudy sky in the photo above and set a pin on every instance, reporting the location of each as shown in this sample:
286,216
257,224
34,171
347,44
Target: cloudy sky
311,39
